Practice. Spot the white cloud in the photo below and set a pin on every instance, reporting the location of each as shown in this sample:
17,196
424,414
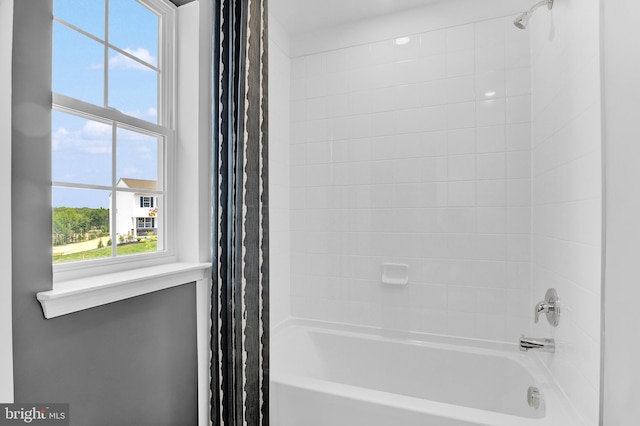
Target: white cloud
57,136
120,61
150,114
96,130
93,138
104,149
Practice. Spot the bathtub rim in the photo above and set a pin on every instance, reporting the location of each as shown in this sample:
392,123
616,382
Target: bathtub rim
398,336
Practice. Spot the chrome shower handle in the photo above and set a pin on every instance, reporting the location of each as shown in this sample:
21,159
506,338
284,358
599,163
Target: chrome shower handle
550,306
541,307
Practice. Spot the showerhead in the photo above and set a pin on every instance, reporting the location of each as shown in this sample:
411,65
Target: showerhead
523,19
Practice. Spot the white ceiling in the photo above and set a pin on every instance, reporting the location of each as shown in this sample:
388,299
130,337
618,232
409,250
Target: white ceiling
299,16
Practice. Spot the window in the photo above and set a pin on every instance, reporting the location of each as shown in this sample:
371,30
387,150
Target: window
146,201
112,128
182,232
146,222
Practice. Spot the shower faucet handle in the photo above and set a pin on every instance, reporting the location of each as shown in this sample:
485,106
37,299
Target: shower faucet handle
550,306
542,307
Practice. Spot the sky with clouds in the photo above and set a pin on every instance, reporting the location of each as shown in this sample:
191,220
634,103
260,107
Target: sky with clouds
82,149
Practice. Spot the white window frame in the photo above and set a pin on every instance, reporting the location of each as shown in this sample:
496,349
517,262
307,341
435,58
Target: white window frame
85,284
164,130
88,284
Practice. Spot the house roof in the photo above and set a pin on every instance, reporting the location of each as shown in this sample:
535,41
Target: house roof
150,185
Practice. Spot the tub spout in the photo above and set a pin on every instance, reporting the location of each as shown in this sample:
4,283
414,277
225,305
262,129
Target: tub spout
531,343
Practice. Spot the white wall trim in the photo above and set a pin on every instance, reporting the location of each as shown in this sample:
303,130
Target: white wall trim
77,295
6,320
193,161
203,330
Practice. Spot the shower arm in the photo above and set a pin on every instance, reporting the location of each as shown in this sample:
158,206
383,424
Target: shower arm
548,3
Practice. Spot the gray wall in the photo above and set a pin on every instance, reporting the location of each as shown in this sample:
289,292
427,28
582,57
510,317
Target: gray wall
128,363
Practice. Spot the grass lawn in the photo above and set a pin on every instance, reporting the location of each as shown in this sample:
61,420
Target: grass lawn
123,250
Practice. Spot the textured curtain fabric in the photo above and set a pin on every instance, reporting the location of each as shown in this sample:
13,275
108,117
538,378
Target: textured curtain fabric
240,299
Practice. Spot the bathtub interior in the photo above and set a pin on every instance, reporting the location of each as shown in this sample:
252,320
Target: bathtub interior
458,377
297,406
488,377
307,388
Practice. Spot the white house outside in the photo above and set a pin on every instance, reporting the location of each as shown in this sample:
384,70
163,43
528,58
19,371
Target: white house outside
136,212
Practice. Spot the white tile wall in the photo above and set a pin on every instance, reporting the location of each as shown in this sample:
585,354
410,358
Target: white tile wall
280,71
415,153
567,192
421,153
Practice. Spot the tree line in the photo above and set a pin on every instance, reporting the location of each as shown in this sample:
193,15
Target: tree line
73,225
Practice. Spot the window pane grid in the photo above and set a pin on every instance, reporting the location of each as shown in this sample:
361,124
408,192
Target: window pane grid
108,45
141,236
132,107
125,59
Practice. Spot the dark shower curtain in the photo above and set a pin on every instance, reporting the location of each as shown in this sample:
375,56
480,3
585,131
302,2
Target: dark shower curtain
240,298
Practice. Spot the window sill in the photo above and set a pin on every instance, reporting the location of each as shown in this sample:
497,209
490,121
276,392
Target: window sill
80,294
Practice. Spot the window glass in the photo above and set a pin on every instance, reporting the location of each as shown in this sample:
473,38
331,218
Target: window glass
133,87
134,28
87,15
80,224
80,150
137,156
136,224
78,65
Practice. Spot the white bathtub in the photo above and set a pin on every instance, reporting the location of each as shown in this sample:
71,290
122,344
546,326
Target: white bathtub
324,374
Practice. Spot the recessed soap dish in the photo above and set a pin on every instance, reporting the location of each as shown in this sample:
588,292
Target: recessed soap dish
395,274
